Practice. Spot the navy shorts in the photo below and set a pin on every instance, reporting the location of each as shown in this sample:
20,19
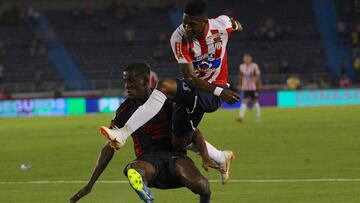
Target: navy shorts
164,163
251,94
191,104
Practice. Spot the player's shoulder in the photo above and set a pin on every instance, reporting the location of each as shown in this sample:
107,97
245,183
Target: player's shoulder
122,113
221,22
178,34
125,106
255,65
223,18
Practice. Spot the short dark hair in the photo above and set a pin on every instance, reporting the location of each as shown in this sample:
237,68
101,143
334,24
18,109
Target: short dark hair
196,7
139,68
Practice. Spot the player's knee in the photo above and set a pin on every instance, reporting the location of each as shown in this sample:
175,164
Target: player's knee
133,165
167,86
203,186
146,170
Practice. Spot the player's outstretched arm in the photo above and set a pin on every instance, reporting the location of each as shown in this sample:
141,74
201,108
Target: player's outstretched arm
105,156
258,85
190,77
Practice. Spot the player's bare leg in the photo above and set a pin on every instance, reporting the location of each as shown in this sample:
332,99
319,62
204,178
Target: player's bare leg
242,110
219,160
257,109
192,178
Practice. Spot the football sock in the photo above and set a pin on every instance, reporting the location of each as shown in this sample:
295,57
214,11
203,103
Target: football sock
205,195
214,154
242,110
144,113
257,109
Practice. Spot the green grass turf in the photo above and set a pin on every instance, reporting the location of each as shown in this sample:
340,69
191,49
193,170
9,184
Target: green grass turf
295,143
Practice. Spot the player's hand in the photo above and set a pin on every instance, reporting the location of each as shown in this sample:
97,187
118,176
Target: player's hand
229,96
258,86
86,190
236,25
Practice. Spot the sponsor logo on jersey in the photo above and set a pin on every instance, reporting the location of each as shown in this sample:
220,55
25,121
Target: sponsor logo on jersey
218,44
205,57
214,35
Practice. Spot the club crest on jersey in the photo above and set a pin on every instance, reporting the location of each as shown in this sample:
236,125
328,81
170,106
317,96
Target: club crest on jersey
178,50
218,44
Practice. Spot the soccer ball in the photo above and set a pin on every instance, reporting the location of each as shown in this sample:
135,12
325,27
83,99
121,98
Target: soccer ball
25,166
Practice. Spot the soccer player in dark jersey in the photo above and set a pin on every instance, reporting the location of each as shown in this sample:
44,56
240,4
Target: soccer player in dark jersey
157,164
199,46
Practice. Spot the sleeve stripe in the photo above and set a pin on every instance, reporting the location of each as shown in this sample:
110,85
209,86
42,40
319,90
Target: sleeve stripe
185,50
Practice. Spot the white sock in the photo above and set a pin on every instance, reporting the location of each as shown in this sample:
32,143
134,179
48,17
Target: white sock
144,113
257,109
242,110
214,154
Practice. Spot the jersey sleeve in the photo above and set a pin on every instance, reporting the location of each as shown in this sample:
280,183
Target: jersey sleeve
240,69
225,22
180,48
257,70
154,76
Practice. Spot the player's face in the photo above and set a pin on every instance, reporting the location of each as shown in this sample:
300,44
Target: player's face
247,59
194,26
136,85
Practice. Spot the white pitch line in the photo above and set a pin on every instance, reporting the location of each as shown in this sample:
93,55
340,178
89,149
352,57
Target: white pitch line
293,180
213,181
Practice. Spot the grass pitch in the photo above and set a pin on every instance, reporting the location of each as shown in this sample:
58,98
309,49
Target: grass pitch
292,155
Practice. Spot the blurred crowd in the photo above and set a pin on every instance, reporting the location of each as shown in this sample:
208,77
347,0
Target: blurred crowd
348,29
270,31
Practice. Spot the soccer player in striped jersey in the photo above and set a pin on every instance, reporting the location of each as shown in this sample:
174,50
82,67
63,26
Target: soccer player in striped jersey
249,81
199,46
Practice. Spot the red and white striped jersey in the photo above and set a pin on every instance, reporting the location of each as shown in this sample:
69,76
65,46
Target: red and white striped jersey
250,73
207,54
